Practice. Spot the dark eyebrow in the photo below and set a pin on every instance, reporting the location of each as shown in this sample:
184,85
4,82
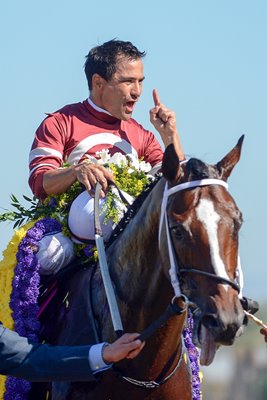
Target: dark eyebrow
125,79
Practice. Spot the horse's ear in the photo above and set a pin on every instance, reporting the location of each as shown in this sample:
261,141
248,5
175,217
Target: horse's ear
226,165
170,164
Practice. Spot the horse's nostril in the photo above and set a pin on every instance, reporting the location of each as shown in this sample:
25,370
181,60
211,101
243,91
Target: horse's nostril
209,321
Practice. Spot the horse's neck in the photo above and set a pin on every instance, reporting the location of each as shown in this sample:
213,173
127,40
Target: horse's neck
134,257
135,269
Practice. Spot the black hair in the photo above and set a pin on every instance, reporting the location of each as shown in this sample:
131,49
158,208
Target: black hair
102,59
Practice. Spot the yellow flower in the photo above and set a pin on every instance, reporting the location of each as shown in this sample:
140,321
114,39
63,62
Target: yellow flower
7,266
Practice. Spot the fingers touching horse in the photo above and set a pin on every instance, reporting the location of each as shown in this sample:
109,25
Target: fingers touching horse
199,230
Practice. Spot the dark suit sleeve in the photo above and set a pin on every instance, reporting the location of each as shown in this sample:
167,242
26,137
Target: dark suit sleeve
41,362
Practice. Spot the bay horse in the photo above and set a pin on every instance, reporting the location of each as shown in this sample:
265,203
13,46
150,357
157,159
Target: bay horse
201,226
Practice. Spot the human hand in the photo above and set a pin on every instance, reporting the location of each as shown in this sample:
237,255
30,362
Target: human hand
263,331
127,346
89,174
163,119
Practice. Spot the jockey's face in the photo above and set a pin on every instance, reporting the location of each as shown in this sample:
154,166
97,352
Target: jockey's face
119,95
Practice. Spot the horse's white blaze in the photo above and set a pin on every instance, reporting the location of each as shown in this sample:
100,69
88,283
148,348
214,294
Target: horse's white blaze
207,215
187,225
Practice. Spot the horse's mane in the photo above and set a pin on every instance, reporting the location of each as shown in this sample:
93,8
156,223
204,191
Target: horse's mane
133,209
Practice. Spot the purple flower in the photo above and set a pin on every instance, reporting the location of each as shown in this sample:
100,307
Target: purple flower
48,225
24,296
35,233
52,202
89,250
16,389
193,356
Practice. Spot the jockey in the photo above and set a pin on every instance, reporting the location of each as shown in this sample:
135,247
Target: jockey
114,72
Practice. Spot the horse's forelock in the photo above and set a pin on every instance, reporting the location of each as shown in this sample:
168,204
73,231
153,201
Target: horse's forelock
197,169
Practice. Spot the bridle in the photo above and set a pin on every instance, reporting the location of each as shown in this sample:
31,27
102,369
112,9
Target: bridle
217,278
174,270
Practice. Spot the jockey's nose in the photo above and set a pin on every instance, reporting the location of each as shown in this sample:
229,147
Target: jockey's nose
136,89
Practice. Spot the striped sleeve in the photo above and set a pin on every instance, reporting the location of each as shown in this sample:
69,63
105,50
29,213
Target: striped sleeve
46,152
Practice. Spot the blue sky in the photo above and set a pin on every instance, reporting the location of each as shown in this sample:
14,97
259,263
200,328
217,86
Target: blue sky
207,59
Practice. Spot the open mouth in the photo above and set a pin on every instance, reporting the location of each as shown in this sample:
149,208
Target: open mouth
208,345
130,106
204,339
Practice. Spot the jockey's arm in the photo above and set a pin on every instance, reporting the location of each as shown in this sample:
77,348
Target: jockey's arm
56,181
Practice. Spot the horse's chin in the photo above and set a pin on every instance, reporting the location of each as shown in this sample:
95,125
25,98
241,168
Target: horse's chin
208,346
203,338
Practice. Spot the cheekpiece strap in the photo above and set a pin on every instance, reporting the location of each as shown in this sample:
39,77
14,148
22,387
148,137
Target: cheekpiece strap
163,216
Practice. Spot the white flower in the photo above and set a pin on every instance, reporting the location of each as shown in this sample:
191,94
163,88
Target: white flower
118,159
120,206
144,166
133,161
104,156
91,158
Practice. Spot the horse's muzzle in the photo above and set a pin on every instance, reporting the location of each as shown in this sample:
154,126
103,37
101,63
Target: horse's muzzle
212,329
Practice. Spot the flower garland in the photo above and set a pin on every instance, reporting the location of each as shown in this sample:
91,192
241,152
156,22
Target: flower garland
130,176
7,266
193,355
24,297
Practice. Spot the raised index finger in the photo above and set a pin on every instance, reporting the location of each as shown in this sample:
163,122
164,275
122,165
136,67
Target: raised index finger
156,97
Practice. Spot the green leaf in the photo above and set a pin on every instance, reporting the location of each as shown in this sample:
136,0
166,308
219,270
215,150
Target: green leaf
13,198
16,224
27,198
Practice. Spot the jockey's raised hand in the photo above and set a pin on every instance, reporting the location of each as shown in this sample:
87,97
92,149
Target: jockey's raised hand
127,346
164,121
57,181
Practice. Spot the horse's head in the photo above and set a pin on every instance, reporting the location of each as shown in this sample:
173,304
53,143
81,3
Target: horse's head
203,223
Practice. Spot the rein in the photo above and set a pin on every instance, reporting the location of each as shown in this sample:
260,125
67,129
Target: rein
153,384
177,307
111,298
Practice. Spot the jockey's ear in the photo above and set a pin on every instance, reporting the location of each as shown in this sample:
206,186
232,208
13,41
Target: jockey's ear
171,165
226,165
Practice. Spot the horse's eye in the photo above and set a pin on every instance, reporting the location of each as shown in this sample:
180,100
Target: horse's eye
178,232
